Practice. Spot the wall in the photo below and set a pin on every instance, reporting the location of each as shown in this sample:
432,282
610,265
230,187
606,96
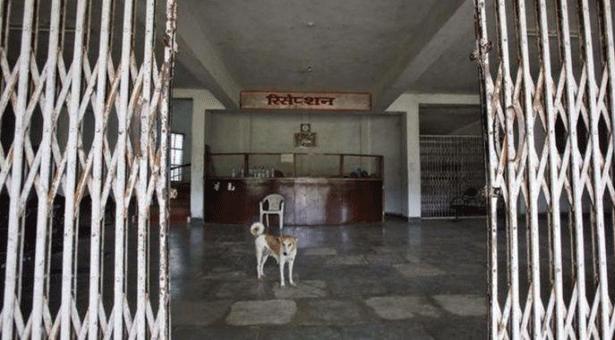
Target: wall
386,139
336,133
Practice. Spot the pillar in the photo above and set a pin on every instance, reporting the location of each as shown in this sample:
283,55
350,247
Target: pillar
202,100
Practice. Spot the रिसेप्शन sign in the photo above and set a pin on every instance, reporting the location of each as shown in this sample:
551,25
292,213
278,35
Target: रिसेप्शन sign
323,101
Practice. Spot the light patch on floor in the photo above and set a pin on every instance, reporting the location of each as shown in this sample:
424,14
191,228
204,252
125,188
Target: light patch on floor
199,313
401,307
347,260
320,251
268,312
304,289
463,305
413,270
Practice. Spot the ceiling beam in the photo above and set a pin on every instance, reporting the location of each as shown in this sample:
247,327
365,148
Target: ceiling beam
200,57
421,52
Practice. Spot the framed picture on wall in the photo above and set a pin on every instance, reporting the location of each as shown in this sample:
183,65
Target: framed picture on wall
305,138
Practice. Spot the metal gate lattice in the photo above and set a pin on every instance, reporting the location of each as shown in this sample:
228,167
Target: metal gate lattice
450,165
549,122
84,114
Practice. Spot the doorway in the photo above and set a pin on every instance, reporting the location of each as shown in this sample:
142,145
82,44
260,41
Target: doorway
452,163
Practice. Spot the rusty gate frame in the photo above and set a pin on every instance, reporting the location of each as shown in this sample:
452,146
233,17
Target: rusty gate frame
139,170
521,168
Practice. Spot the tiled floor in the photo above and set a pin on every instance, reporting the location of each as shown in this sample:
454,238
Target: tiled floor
397,280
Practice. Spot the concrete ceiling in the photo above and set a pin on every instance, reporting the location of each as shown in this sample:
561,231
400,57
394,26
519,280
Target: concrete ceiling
448,119
385,47
308,45
453,72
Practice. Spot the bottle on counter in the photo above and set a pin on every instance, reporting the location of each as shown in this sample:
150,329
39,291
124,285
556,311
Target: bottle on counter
233,173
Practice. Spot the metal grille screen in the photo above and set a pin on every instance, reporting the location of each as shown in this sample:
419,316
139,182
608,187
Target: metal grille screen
450,165
548,87
84,96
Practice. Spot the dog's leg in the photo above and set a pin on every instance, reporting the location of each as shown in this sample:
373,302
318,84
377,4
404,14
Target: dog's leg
263,260
282,261
259,260
291,262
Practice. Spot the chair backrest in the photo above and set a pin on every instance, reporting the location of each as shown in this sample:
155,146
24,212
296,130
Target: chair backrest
273,201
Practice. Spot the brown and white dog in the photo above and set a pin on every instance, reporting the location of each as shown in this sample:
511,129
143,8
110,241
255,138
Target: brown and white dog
282,248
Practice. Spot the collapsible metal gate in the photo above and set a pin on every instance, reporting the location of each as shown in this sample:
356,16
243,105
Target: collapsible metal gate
61,61
450,165
548,88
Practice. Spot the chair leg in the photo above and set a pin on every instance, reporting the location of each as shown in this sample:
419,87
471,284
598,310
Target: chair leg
267,218
281,221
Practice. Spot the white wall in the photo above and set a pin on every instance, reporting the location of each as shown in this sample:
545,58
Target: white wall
385,138
336,133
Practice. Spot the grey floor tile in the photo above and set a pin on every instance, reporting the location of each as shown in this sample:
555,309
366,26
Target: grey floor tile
463,305
330,312
266,312
402,307
394,280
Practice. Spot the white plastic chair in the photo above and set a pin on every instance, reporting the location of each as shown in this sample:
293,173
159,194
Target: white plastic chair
275,206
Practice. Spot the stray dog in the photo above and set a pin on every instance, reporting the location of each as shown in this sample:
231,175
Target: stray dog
282,248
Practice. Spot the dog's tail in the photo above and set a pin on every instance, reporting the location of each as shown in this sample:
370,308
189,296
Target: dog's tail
257,229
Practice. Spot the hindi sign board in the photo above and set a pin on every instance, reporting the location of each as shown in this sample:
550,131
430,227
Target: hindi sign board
320,101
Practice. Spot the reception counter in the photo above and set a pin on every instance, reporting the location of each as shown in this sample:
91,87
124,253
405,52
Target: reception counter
308,201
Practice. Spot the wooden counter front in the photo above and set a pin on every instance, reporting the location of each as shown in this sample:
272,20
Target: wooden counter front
308,201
